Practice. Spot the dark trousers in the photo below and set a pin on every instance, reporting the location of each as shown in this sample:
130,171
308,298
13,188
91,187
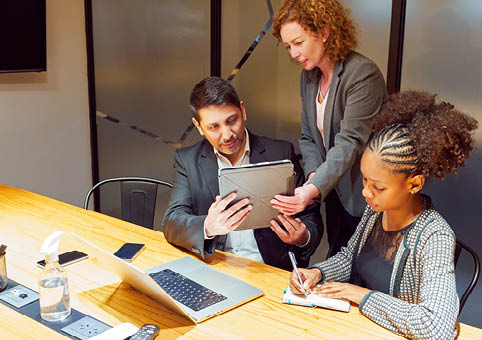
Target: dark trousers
340,225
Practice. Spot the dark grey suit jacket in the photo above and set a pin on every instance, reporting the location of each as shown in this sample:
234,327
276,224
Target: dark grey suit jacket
357,92
196,187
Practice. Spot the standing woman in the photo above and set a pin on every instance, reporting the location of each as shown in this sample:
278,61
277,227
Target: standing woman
341,93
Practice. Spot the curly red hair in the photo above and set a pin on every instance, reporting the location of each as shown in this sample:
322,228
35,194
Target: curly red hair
314,16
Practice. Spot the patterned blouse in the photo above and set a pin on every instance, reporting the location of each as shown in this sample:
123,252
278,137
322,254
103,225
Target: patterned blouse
423,301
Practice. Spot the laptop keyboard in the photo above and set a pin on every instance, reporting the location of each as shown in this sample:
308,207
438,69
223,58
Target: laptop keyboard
186,291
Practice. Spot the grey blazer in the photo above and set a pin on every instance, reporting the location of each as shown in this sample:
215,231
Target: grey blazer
423,302
195,189
357,92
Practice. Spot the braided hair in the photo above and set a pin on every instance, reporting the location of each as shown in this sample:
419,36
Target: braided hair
394,146
414,134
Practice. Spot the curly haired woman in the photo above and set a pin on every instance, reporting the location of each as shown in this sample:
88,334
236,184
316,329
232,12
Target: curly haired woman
398,265
341,93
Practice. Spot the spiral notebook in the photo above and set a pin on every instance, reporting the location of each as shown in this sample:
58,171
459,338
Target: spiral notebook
313,300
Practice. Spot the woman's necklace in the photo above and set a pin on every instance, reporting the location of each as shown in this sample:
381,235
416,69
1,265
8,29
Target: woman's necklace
321,97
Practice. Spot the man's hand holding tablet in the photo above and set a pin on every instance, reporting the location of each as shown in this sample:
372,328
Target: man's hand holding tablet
220,220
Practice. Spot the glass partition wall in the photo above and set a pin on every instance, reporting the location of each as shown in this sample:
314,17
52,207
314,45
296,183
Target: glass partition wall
443,54
147,56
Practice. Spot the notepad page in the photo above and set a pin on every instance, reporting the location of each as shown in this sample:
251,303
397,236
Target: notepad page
315,301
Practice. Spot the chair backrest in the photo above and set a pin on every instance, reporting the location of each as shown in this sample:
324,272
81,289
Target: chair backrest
475,277
138,198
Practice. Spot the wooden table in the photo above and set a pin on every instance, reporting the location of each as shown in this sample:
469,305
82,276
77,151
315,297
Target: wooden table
27,218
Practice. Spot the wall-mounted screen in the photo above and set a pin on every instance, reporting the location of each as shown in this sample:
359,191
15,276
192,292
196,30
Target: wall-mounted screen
22,36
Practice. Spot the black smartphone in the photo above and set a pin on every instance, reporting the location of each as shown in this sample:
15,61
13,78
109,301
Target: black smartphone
67,258
129,251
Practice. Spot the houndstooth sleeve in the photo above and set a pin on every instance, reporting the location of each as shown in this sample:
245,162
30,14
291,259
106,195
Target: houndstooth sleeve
429,312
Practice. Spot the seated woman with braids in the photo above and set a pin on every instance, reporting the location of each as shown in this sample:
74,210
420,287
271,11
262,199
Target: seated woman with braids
398,265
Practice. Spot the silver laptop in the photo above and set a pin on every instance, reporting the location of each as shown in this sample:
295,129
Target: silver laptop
225,291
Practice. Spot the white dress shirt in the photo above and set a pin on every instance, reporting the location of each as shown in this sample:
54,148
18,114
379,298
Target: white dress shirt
320,112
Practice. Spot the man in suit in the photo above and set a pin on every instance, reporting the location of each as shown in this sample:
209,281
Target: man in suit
198,220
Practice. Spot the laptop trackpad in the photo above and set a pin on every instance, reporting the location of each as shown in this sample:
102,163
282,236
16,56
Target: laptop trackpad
213,279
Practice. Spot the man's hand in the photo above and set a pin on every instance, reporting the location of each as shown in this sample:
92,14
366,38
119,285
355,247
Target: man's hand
290,205
341,290
295,232
310,278
220,220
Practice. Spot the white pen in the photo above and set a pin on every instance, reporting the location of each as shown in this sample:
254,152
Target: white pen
295,268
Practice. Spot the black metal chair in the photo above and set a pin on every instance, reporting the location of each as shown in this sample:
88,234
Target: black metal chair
138,198
475,277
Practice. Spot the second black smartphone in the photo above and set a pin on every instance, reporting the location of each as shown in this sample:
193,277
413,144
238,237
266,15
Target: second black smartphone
129,251
67,258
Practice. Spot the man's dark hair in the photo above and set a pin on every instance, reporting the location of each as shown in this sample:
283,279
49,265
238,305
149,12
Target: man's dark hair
212,91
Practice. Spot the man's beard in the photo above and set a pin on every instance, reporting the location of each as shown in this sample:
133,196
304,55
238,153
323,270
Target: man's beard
233,140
